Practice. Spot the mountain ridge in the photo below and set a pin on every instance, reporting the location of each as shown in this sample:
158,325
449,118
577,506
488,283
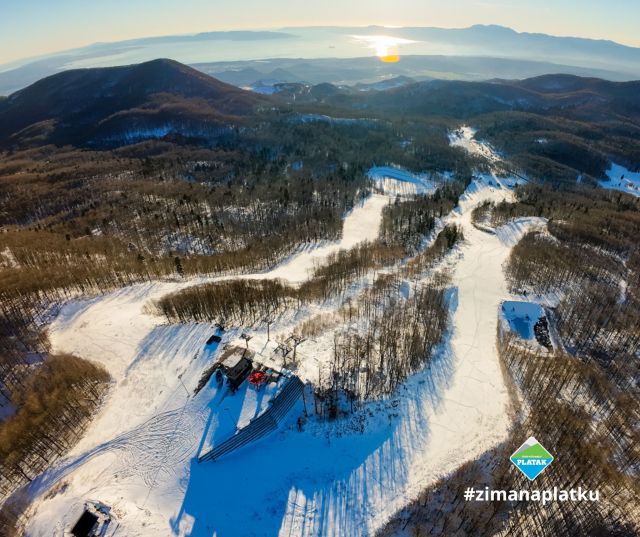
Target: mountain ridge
92,105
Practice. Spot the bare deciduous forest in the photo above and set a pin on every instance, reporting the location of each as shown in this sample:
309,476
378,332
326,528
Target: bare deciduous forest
582,399
93,221
54,403
231,194
561,396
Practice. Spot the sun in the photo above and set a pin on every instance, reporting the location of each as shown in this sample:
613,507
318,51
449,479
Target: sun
386,47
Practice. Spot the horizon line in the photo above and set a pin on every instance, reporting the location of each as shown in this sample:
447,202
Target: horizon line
17,63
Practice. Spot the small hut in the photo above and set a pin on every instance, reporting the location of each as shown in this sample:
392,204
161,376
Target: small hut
236,367
93,521
86,525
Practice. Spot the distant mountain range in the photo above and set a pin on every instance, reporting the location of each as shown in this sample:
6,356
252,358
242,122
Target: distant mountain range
341,55
369,71
588,99
114,106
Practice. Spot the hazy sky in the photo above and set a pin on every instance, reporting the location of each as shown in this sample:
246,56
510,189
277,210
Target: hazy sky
33,27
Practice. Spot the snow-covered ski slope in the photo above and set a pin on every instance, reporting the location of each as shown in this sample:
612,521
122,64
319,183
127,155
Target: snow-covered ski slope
149,428
344,478
361,224
522,317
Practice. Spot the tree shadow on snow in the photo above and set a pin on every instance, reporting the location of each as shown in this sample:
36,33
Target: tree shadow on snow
331,479
164,435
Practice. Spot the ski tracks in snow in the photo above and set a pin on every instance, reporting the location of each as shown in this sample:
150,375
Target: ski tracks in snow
447,414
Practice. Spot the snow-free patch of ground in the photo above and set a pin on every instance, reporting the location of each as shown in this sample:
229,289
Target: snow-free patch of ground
339,478
620,178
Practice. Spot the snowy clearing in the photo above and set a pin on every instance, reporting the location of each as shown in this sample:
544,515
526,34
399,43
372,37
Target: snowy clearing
400,182
522,316
337,478
7,259
619,178
361,224
464,137
511,233
487,187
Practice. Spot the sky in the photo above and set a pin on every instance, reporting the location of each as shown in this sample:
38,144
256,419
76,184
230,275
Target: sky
36,27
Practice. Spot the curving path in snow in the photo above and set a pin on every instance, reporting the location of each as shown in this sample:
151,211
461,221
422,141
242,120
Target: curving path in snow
329,480
149,429
361,224
452,412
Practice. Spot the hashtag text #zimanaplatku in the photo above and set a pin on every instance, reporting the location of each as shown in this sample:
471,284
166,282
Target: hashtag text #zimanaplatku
537,495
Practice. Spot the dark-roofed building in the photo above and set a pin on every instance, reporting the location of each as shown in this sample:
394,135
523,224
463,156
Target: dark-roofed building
236,367
85,526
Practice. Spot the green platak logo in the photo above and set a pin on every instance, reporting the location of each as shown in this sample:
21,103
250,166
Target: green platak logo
531,458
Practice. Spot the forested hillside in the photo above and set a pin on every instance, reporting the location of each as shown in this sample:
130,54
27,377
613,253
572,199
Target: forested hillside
158,175
581,395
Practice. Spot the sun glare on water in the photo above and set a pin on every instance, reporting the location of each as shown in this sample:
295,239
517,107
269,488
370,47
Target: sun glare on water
386,47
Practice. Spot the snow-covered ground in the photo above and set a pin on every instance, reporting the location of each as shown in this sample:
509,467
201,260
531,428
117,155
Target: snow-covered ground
361,224
619,178
395,181
465,137
519,227
487,187
6,408
149,428
7,259
339,478
522,317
